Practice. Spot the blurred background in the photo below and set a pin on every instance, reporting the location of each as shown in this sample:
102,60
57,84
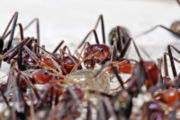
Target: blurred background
71,20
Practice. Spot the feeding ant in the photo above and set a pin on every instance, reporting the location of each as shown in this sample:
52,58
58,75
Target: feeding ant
44,83
100,52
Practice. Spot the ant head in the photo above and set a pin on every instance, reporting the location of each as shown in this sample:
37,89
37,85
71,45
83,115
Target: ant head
120,35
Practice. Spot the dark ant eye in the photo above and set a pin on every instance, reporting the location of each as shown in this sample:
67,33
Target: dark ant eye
102,50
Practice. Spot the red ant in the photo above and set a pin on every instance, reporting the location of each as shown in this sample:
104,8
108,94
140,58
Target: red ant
100,53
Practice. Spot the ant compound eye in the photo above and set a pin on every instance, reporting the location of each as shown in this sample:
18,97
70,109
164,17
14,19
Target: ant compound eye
102,50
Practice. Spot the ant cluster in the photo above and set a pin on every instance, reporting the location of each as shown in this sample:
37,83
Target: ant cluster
59,85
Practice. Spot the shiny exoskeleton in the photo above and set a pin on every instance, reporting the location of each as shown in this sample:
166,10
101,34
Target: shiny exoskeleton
101,54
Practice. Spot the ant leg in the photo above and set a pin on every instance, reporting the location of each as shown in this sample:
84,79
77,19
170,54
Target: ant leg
19,95
36,20
81,51
174,111
120,38
5,99
12,33
101,114
58,46
7,27
51,97
114,55
165,65
155,27
12,52
126,46
32,54
172,61
20,59
118,77
89,111
75,97
160,62
21,31
101,19
57,97
84,59
68,54
31,86
87,36
109,108
37,28
145,53
137,51
68,50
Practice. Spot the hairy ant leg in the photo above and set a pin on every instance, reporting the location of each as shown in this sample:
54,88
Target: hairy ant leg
83,48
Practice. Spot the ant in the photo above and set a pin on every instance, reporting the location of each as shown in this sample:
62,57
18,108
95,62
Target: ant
11,51
100,53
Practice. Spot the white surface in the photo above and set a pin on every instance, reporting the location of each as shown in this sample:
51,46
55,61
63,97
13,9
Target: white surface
71,20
